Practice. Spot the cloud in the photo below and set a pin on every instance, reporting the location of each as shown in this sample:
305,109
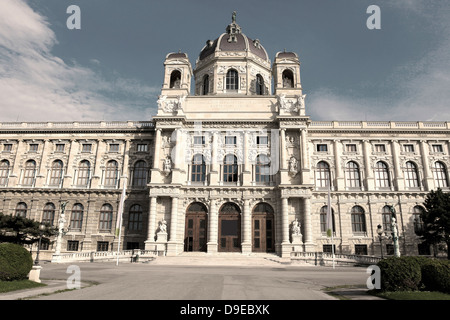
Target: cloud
35,85
419,90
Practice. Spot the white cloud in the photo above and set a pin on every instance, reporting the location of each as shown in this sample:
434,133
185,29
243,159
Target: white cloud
35,85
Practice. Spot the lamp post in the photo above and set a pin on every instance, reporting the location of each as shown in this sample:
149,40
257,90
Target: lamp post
41,230
380,236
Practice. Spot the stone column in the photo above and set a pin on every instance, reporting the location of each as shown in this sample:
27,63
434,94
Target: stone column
304,157
427,174
285,244
14,176
370,183
212,227
149,243
96,176
156,160
40,177
172,244
126,158
283,165
68,178
309,244
340,183
398,173
247,226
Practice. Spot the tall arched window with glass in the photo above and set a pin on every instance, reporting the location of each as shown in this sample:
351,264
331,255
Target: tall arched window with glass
323,178
386,217
230,168
140,172
48,214
259,85
4,173
205,88
352,175
411,175
111,174
29,173
135,218
198,169
56,173
262,169
440,175
323,220
382,175
232,80
76,218
358,220
105,219
84,173
21,209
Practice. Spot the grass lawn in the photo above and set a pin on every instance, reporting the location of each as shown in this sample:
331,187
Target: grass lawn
412,295
6,286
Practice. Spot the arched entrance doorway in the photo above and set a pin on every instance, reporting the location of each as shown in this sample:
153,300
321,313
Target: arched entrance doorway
196,227
229,228
263,228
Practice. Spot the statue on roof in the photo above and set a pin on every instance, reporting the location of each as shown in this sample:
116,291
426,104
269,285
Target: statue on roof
233,17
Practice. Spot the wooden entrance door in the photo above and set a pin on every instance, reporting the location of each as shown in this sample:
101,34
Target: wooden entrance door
196,228
263,228
229,228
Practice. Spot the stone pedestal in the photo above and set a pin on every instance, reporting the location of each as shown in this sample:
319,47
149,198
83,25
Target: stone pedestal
297,244
161,241
35,273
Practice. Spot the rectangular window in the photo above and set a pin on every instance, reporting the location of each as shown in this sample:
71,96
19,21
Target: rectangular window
102,245
34,147
87,147
230,140
409,148
361,249
380,148
72,245
322,148
199,140
60,147
142,148
114,147
350,147
390,249
7,147
327,248
437,148
261,140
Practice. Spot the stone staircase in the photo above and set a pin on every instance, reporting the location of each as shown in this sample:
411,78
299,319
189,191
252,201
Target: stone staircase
221,259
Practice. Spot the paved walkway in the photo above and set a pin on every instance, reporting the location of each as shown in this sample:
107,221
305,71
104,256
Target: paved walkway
105,273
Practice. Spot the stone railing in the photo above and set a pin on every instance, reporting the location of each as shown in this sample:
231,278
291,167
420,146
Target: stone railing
99,256
380,124
326,259
76,124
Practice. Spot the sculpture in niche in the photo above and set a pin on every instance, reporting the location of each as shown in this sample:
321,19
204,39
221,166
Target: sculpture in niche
293,166
167,166
163,226
295,229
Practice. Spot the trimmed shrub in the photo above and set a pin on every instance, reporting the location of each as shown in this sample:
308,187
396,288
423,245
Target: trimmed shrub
15,262
436,275
401,274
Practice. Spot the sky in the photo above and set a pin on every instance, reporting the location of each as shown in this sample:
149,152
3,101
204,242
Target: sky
112,68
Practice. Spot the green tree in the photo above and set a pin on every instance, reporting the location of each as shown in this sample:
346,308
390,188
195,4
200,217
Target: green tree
16,229
436,219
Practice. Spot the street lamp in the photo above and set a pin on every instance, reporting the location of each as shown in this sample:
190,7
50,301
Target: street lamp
380,236
41,230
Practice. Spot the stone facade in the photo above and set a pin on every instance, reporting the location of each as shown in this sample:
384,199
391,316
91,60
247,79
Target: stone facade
229,168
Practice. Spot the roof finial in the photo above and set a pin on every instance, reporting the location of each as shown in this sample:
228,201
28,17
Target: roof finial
233,17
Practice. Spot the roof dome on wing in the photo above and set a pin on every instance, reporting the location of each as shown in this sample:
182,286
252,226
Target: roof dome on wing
234,40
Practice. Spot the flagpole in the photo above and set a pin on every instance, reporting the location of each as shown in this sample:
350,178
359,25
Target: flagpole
330,214
119,218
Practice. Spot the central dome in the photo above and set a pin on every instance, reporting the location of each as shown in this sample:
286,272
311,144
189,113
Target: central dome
234,40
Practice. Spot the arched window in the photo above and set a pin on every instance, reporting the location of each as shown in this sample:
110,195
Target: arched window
322,175
135,218
352,173
440,175
230,168
386,217
30,173
140,174
76,219
48,214
259,85
205,85
418,222
232,81
175,79
262,169
21,209
323,219
4,172
84,173
105,221
198,171
382,175
111,173
358,220
56,173
288,79
411,175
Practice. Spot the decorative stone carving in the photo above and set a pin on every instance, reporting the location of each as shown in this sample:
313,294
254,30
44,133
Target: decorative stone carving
167,166
293,166
170,105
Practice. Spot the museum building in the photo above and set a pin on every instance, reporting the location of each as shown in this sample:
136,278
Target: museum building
235,166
